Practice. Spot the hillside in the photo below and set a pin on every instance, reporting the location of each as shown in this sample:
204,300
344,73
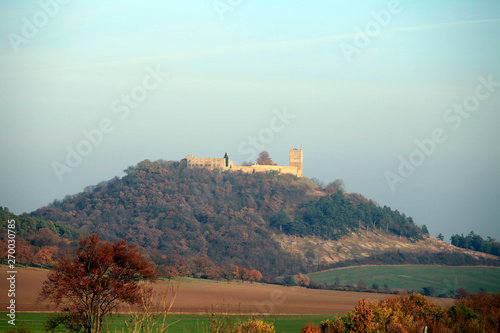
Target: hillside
379,247
38,241
203,222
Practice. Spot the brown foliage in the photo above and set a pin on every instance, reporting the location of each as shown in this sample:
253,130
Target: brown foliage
264,158
411,313
302,280
333,326
254,275
25,252
482,308
169,272
362,318
310,328
46,254
246,274
94,282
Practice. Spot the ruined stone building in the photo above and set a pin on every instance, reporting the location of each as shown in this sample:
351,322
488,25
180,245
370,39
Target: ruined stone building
224,163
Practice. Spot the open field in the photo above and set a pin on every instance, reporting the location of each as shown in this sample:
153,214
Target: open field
444,279
198,296
288,307
180,322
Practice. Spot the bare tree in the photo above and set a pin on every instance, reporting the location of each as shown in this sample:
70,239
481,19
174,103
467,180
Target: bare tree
335,186
154,310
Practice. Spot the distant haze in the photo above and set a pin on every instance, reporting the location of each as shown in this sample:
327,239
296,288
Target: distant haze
400,99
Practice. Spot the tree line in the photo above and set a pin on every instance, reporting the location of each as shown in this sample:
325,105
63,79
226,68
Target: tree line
477,243
38,241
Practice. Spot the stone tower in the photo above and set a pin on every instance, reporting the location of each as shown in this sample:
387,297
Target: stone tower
296,160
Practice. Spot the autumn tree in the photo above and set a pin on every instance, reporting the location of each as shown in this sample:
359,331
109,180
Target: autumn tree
168,272
236,272
362,317
44,237
245,274
302,280
264,158
335,186
46,254
476,312
94,282
255,275
362,284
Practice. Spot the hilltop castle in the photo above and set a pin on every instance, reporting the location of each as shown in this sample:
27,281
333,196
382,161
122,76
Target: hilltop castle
224,163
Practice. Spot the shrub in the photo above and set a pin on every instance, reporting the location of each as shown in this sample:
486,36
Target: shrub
411,313
466,318
428,291
255,325
333,326
310,328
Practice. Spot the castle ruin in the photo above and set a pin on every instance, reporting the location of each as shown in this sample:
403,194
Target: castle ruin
224,163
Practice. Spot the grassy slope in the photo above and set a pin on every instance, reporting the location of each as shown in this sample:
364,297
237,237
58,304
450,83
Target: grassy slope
363,244
443,278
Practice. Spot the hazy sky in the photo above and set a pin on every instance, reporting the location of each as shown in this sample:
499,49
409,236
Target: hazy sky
400,99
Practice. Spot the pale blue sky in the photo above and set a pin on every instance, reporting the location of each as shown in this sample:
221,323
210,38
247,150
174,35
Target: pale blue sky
352,118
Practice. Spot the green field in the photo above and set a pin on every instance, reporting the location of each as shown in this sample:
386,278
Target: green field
183,322
444,279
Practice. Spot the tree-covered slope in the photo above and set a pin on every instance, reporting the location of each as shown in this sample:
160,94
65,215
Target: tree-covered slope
338,213
174,211
35,241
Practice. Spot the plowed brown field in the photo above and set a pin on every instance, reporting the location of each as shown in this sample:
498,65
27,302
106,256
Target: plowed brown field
195,296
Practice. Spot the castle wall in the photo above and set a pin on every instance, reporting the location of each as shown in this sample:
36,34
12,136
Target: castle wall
282,169
295,167
208,162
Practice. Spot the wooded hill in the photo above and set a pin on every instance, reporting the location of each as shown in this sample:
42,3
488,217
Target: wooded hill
37,241
220,219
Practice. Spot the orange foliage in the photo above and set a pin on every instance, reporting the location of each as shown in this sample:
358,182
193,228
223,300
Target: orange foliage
168,272
310,328
46,254
302,279
411,313
362,317
105,273
481,309
255,275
